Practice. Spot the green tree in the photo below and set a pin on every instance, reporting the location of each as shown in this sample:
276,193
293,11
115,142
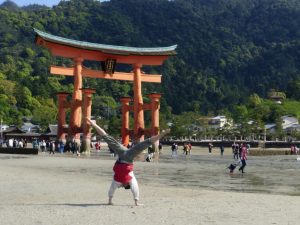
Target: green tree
240,113
45,113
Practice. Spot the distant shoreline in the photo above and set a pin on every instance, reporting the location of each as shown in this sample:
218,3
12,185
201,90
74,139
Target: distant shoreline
218,143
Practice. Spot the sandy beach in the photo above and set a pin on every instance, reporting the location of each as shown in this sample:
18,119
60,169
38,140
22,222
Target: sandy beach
65,189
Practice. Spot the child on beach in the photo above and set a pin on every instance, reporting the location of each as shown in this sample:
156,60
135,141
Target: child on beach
123,167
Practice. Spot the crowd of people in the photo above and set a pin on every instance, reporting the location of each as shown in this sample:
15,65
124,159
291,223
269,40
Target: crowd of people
239,152
56,146
14,143
186,148
48,146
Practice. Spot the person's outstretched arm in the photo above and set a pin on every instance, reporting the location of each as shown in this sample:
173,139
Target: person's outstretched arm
155,138
99,130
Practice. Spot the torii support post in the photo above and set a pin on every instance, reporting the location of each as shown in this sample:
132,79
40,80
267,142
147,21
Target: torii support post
125,120
76,112
87,109
138,130
61,117
155,105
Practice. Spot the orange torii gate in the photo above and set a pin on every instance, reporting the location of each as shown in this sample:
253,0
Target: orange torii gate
108,55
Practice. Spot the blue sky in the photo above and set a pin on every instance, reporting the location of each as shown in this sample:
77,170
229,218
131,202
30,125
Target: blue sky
28,2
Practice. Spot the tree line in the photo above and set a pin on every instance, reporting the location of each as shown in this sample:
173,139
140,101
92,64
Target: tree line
230,54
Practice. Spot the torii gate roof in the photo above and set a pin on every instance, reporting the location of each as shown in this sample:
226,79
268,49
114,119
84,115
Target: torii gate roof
107,49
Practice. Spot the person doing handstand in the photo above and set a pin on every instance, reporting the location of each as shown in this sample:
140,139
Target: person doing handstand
123,167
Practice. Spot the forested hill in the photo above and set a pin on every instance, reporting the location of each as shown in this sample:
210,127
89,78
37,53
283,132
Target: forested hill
227,51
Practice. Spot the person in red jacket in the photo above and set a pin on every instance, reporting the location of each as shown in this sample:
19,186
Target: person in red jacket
123,168
243,157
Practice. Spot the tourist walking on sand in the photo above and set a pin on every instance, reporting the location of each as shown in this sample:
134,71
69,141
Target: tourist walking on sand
174,149
248,148
185,149
61,147
123,168
190,148
236,151
210,146
98,146
20,144
243,157
150,154
292,149
233,147
43,145
240,149
296,150
51,147
222,150
75,147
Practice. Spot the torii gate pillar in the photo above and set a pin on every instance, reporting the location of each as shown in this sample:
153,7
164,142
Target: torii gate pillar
62,105
125,120
87,109
75,119
155,105
138,129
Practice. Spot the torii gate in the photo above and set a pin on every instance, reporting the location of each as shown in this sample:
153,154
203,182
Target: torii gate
108,55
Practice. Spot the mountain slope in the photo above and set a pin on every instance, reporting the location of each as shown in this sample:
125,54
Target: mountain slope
227,49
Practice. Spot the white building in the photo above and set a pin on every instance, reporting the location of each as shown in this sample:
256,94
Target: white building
3,127
288,123
219,122
30,128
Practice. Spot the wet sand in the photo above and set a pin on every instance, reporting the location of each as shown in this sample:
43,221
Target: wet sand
65,189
